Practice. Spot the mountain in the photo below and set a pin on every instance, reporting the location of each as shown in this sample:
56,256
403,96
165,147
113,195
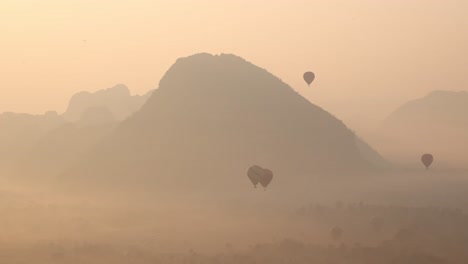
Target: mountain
212,117
117,100
43,145
95,116
55,148
439,108
436,123
40,146
19,131
60,148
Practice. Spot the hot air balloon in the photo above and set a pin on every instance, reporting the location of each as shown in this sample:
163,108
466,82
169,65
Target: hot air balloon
257,175
266,177
427,160
336,233
309,77
254,173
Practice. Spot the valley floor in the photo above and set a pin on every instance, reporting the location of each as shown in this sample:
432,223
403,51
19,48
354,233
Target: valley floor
394,217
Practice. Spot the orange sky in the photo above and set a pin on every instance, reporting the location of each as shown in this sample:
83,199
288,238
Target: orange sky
369,55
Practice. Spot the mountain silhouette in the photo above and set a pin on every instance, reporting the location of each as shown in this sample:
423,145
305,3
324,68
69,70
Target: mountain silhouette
40,146
19,131
436,123
213,117
439,108
117,100
94,116
44,145
60,149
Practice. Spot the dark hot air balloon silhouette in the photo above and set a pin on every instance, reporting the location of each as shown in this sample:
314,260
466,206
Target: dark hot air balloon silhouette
309,77
266,178
427,160
254,173
257,175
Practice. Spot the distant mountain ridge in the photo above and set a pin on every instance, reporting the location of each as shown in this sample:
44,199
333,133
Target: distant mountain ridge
18,130
438,107
117,100
435,123
51,142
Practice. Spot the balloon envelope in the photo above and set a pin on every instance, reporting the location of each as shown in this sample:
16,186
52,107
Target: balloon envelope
427,160
266,177
254,173
309,77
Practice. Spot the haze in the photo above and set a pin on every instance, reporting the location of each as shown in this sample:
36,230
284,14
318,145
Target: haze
185,132
367,54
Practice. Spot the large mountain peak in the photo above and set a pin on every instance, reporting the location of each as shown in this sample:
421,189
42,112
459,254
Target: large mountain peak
212,117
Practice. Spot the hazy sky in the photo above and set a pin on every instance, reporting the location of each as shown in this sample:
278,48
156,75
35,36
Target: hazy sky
367,54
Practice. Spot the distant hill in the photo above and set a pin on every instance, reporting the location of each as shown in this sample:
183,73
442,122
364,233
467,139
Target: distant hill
44,145
34,146
94,116
436,123
19,131
59,149
212,117
117,100
439,108
38,145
